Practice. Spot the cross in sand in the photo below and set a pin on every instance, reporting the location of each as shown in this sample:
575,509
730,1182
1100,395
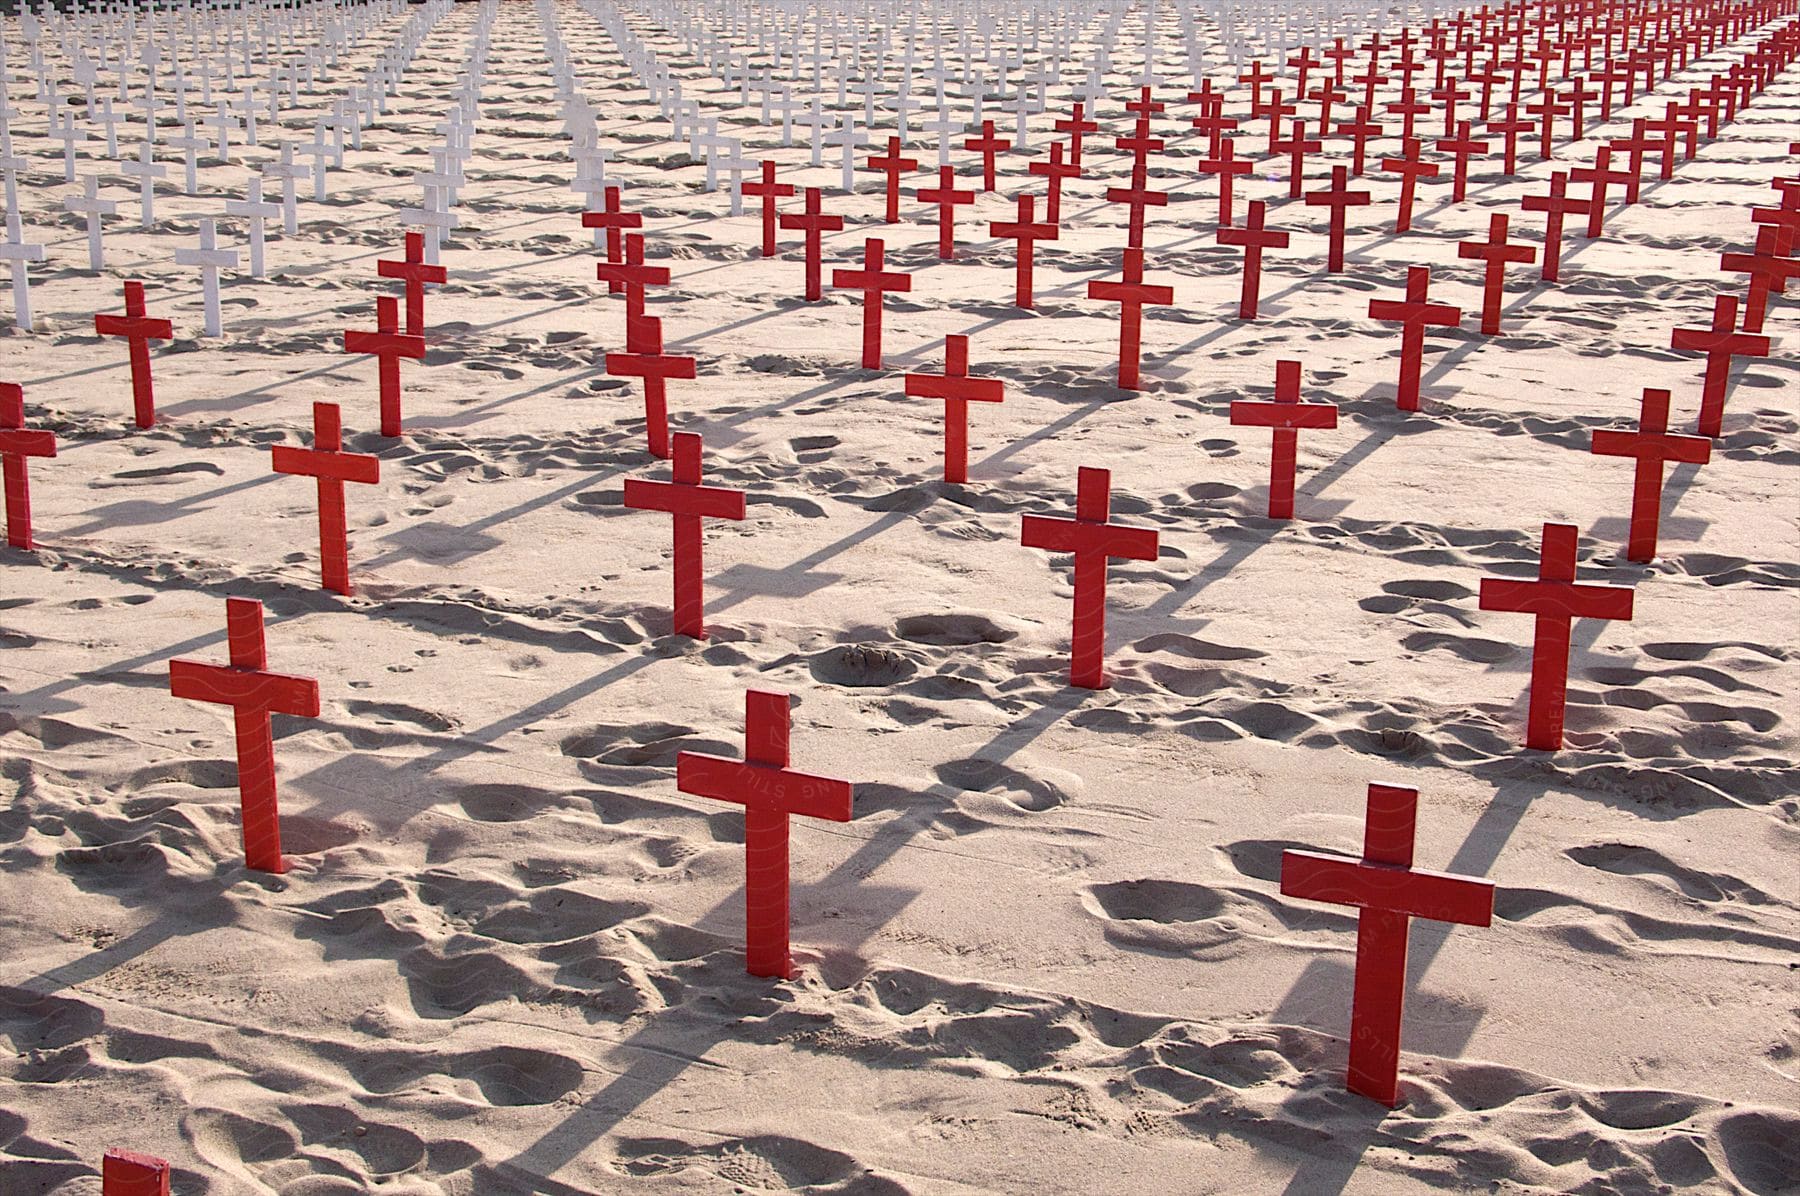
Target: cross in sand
1652,445
1254,238
90,205
327,461
211,259
689,502
1720,343
1556,601
1077,127
1496,253
127,1173
892,164
813,224
644,358
1054,170
770,792
254,694
1413,314
18,252
874,283
958,389
1094,540
1388,892
17,442
768,190
1338,197
1286,415
1411,170
1226,164
255,212
1132,294
139,330
1769,269
988,145
1556,204
615,221
389,345
948,199
416,273
633,274
1026,231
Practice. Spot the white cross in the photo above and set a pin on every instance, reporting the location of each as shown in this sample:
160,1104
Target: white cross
253,209
288,171
210,259
736,166
15,250
191,144
846,136
90,204
815,121
945,126
110,120
223,123
435,220
71,136
318,151
146,171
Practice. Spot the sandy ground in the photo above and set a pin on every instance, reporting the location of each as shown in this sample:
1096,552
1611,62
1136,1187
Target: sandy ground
1049,954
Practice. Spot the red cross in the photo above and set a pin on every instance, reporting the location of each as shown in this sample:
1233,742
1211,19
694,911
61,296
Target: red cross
1636,145
769,792
1138,196
1303,62
1673,124
1226,165
987,145
1413,314
1144,107
1555,205
633,275
1361,129
644,358
1255,78
1132,295
1213,121
1254,238
1338,197
254,694
1296,148
1598,176
1286,415
17,442
1652,444
1388,893
1410,169
127,1173
1496,253
1461,147
891,165
1140,145
1578,94
1447,94
1557,601
614,221
768,190
416,273
948,199
1055,171
1273,109
689,502
389,345
1326,95
1768,268
874,283
139,330
327,461
1510,126
813,223
1786,218
1077,128
958,389
1094,539
1026,231
1409,110
1720,343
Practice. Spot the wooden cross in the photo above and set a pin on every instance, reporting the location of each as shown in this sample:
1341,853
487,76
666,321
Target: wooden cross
254,213
1254,239
1556,601
1286,415
1226,164
90,205
138,330
1549,110
1636,146
813,223
615,221
1510,126
958,389
1598,176
1496,253
1769,270
1362,129
127,1173
892,165
689,502
1139,197
327,462
17,442
211,259
1411,170
768,190
1555,205
1055,170
770,792
1132,294
1720,343
874,283
644,358
388,344
1462,147
1652,445
948,199
1339,198
633,275
254,694
1413,314
416,273
1296,148
1387,892
1026,231
1094,539
1140,145
987,145
1077,128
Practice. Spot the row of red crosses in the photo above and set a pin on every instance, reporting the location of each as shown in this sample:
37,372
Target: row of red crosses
1383,885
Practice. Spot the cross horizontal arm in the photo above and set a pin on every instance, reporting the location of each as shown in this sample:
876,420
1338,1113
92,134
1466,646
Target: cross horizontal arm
682,498
1078,535
244,688
1415,892
1567,598
762,787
